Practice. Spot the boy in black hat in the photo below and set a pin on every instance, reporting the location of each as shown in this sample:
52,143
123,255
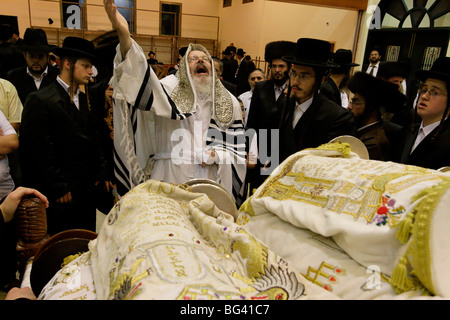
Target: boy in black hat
429,145
37,73
60,153
333,86
310,119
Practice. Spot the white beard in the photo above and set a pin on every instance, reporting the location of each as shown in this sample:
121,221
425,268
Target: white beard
203,88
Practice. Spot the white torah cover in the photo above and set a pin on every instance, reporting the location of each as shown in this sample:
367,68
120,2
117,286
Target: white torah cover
386,216
163,242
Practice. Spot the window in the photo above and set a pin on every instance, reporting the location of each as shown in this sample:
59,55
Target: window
126,8
226,3
247,1
170,19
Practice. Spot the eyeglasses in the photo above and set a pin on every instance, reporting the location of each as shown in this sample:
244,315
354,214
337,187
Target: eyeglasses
196,58
433,92
355,102
301,76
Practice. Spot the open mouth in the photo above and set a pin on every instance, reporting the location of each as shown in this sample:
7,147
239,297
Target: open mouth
201,69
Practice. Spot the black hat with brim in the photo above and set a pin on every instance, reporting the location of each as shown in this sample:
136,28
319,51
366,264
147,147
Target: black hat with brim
312,53
394,69
76,47
440,70
344,58
35,40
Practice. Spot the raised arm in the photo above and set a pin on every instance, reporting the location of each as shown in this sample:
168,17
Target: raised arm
120,24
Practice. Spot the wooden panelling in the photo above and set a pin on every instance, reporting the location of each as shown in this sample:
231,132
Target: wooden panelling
343,4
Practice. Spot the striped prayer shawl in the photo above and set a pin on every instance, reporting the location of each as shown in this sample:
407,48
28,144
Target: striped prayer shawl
134,110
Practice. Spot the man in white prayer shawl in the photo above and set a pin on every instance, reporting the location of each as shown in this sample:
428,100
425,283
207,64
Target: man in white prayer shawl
182,127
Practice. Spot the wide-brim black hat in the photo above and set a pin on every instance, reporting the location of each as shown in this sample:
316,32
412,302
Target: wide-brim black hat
278,49
394,69
312,53
76,47
380,92
439,70
35,40
240,52
344,58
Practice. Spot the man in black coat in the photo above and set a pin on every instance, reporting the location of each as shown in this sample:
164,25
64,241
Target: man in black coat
11,56
37,73
311,119
338,78
372,96
428,145
267,103
246,66
60,153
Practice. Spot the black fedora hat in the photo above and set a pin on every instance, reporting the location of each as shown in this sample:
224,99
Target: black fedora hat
240,52
228,51
312,53
389,69
76,47
35,40
344,58
278,49
439,70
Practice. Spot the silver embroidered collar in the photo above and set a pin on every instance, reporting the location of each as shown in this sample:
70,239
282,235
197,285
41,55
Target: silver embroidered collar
186,100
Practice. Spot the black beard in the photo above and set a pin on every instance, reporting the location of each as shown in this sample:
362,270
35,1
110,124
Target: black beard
280,82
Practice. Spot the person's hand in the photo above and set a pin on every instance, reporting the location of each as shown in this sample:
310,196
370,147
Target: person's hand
11,202
16,293
67,198
120,24
210,158
109,94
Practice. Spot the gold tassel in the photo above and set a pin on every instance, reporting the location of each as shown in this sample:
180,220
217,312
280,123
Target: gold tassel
405,227
69,259
399,279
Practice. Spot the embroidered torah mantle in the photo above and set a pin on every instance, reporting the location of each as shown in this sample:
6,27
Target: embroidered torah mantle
384,214
162,241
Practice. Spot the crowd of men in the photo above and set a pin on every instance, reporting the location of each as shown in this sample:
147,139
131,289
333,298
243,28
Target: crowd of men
202,120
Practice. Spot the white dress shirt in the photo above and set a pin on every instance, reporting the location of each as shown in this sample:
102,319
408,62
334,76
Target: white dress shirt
279,90
423,132
75,98
300,109
375,69
38,81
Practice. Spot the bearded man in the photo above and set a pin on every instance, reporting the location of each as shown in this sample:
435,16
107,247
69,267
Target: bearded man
37,73
181,127
374,61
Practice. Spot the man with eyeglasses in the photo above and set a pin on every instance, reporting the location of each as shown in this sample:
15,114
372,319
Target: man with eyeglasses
310,119
37,73
182,127
428,145
372,96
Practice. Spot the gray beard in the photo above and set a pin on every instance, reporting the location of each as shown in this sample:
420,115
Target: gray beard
203,88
